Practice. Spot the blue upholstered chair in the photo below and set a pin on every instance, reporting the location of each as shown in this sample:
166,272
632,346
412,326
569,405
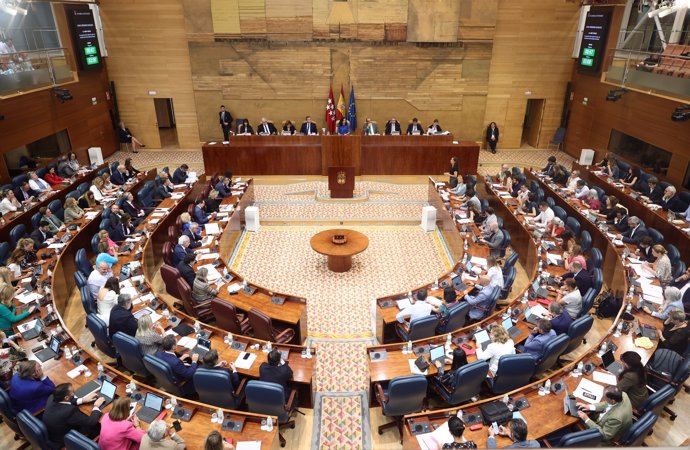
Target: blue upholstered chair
597,280
585,438
215,388
551,202
466,383
56,208
595,259
639,431
74,440
510,262
585,241
657,401
8,414
508,281
657,237
95,240
269,399
560,213
514,371
572,225
87,300
83,263
164,376
673,253
80,279
577,331
35,432
99,330
4,252
403,395
420,328
457,316
587,302
552,350
131,354
16,233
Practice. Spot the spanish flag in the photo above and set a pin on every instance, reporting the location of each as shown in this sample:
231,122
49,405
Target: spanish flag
341,110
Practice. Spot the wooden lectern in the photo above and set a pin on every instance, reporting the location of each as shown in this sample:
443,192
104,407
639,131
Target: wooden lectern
341,181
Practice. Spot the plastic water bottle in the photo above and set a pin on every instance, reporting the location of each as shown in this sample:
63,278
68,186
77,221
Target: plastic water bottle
68,352
466,245
628,308
409,294
619,329
524,298
269,423
409,346
229,338
99,367
197,327
547,387
602,349
221,416
436,284
449,340
269,347
541,265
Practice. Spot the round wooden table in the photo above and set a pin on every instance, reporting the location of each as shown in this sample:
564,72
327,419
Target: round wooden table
339,255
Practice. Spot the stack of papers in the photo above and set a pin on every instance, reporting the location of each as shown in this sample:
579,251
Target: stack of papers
90,215
477,261
435,439
603,377
415,370
404,303
211,228
210,256
234,287
553,258
589,391
27,297
242,363
187,342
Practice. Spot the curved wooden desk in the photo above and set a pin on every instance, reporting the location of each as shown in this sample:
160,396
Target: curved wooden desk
339,255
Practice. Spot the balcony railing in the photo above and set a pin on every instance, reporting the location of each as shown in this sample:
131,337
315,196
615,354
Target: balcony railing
661,74
26,71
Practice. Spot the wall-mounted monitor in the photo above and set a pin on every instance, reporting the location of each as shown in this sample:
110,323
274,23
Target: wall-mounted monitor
593,45
85,36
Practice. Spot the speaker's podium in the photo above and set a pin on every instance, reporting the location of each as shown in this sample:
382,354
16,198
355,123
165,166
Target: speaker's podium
341,181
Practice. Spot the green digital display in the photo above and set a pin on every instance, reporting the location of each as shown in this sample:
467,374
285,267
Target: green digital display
91,50
91,60
588,52
587,62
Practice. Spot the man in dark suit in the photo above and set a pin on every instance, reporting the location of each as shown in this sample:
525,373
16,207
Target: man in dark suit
266,128
30,388
308,127
223,187
63,169
41,234
62,414
194,235
276,371
225,119
494,240
644,249
211,362
415,127
560,319
653,191
24,193
636,231
119,176
670,201
180,174
182,371
181,249
582,278
200,215
115,215
186,270
131,208
620,220
392,127
121,317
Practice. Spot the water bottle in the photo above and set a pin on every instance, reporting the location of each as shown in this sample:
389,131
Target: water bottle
409,294
628,308
197,327
547,386
449,339
68,352
99,367
229,338
619,329
466,245
269,347
221,416
269,423
541,266
602,349
631,292
409,346
524,298
436,284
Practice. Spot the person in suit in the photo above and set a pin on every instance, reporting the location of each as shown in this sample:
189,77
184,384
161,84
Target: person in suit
194,234
38,185
615,418
415,127
121,317
480,303
550,165
130,207
25,194
276,371
653,191
181,249
675,334
182,371
223,187
30,388
186,269
494,240
64,169
126,137
225,120
620,220
55,224
200,215
538,338
434,128
211,361
119,176
308,127
636,231
62,414
180,174
160,436
289,127
370,127
392,127
123,229
245,127
670,201
492,136
560,319
41,234
517,432
115,215
582,278
266,128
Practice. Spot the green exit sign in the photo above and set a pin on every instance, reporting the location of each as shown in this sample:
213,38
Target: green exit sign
91,60
91,50
588,52
587,62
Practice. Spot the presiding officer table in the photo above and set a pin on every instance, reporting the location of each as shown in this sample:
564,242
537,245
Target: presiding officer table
313,155
339,255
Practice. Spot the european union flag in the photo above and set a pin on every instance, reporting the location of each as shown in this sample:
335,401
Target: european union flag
352,111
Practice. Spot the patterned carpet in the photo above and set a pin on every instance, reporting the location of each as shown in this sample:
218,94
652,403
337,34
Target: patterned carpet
341,421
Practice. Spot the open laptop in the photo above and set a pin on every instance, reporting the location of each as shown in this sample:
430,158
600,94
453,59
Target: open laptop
437,353
49,352
124,272
645,331
539,291
570,405
89,388
531,318
126,247
107,392
512,330
31,330
482,339
153,406
608,360
202,347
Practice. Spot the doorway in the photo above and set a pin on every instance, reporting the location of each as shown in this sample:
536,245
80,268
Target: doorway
531,127
165,119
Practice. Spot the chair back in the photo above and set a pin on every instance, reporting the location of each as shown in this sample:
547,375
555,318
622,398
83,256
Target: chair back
74,440
167,253
572,225
131,353
56,208
595,259
657,237
170,276
505,244
163,374
261,324
113,166
87,300
457,316
82,188
585,241
422,327
597,280
36,220
186,296
678,269
34,431
74,194
514,371
83,263
95,240
510,261
7,412
99,331
4,252
559,212
639,430
552,350
468,381
105,225
656,402
266,399
673,253
587,302
508,281
585,438
173,233
16,233
577,330
226,315
551,202
80,279
405,395
215,388
19,179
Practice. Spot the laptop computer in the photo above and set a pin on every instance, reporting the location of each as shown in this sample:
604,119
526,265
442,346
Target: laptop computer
126,247
88,388
202,347
570,405
31,330
153,406
107,392
124,272
512,330
482,339
609,362
437,353
49,352
531,318
538,290
645,331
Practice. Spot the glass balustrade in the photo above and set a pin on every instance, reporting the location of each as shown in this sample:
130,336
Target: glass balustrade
26,71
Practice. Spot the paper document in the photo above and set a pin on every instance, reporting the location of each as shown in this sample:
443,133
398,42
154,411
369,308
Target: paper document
402,304
212,228
27,297
234,287
477,261
57,245
242,363
74,373
248,445
213,274
589,391
210,256
435,439
603,377
187,342
414,369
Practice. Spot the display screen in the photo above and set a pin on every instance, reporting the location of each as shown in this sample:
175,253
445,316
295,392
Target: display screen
593,45
85,38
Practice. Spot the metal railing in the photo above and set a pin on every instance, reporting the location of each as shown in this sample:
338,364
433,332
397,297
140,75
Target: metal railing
26,71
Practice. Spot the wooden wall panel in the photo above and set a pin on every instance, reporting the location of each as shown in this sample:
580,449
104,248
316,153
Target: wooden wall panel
226,16
433,20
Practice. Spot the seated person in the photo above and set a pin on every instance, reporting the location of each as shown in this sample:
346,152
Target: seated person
119,177
124,229
494,272
633,379
615,414
276,370
97,190
494,240
211,361
538,338
672,300
64,170
104,255
545,215
157,435
9,202
212,203
670,201
98,278
183,371
266,128
186,268
38,185
8,311
621,222
415,127
55,224
501,344
107,298
180,174
555,228
88,201
569,296
308,127
456,427
392,127
193,232
574,253
42,236
675,333
550,166
418,308
131,171
181,249
130,207
200,215
223,187
560,318
118,430
661,267
480,303
592,200
245,128
62,414
201,289
343,128
559,175
581,190
458,360
434,128
653,191
72,210
644,249
582,278
461,188
442,311
370,127
288,127
52,178
517,432
30,388
608,210
121,317
25,194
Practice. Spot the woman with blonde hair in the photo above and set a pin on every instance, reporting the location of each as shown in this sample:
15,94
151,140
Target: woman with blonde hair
119,430
202,290
661,268
572,255
97,189
72,210
185,218
7,276
104,236
212,203
107,185
8,312
9,202
150,336
501,344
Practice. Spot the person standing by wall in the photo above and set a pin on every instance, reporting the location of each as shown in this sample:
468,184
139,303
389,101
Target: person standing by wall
492,136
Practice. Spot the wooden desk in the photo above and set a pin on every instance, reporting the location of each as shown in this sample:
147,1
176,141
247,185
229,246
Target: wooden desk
339,255
312,155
